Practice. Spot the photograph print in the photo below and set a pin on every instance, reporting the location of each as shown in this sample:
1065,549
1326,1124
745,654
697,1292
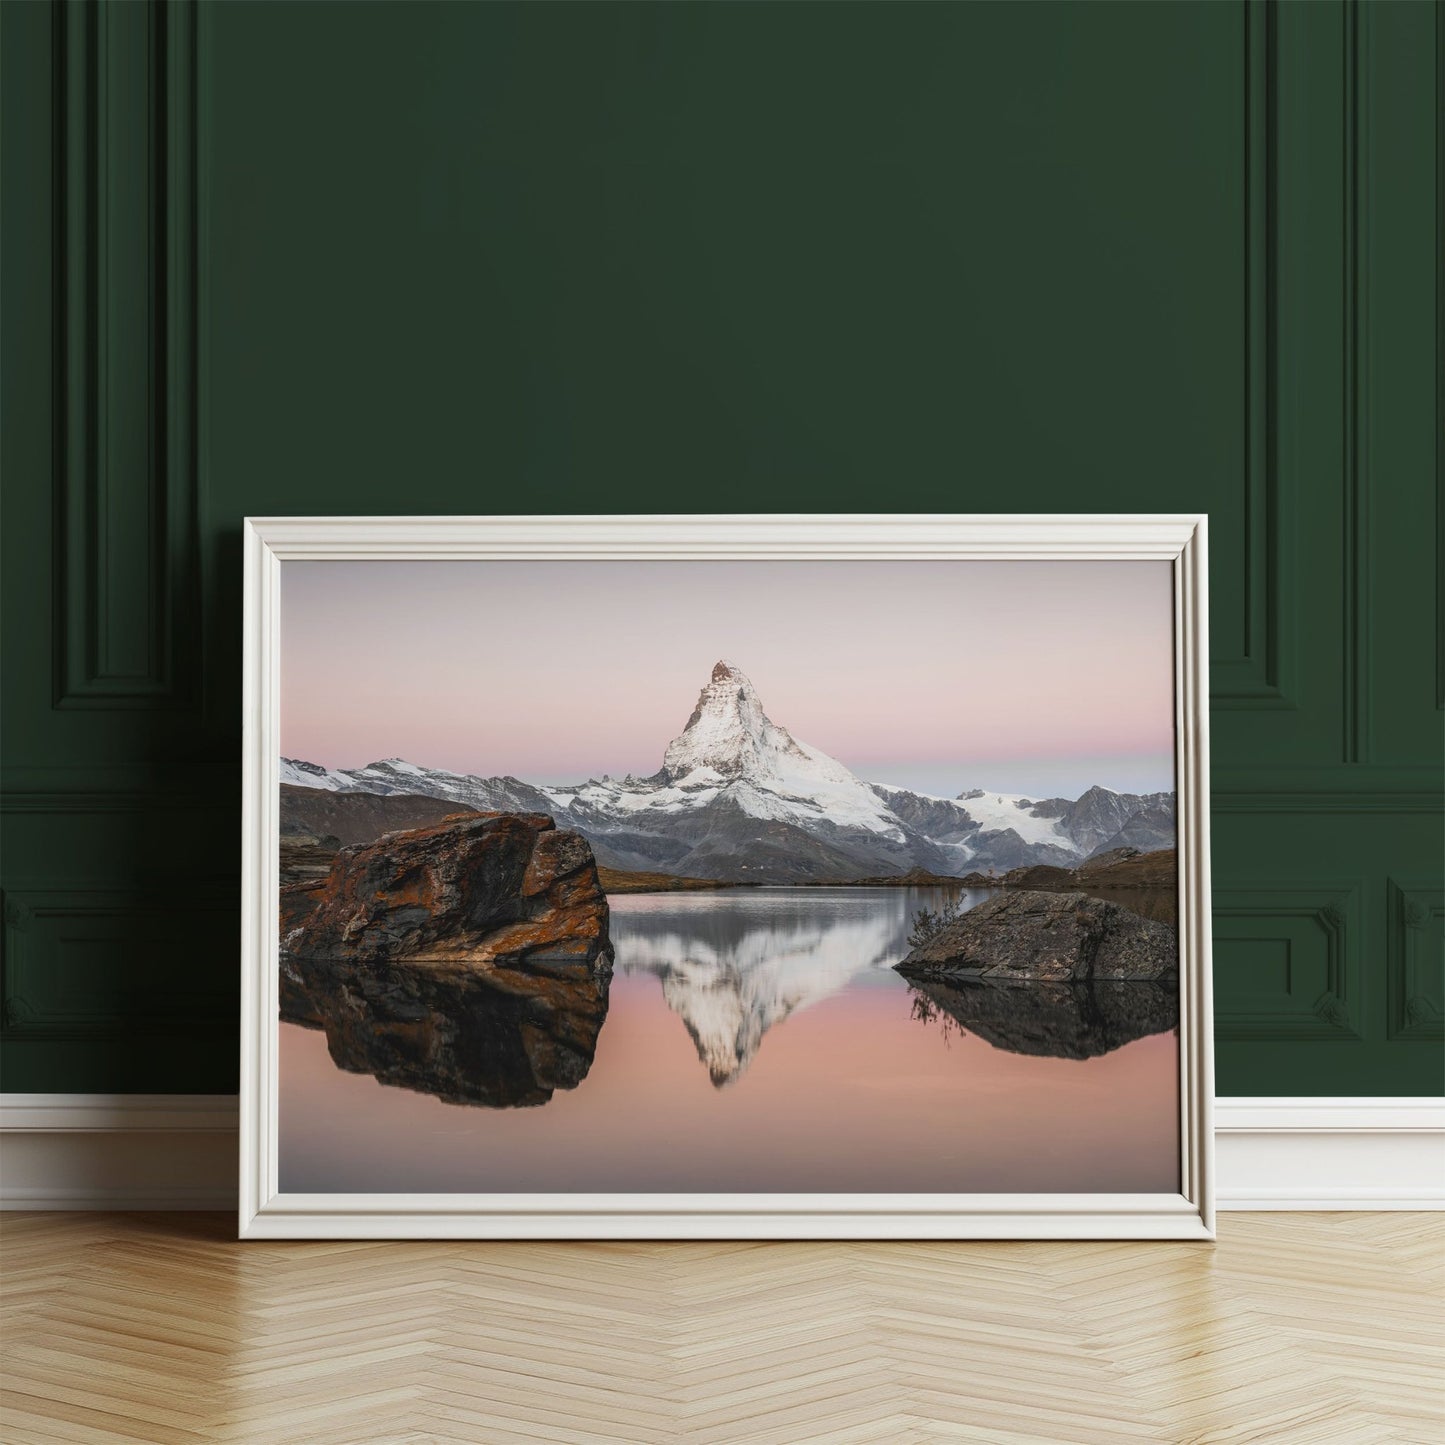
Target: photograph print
762,876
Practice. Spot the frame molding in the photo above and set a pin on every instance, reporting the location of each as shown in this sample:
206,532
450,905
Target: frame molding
265,1212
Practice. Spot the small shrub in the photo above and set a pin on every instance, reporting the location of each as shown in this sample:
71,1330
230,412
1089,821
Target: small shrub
928,924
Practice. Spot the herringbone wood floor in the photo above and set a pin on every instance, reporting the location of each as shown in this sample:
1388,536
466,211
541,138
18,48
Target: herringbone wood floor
160,1328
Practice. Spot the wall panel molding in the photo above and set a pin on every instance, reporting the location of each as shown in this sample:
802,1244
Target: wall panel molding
121,787
95,802
221,252
1259,674
100,961
1439,458
126,536
1355,403
1364,789
1416,959
1287,962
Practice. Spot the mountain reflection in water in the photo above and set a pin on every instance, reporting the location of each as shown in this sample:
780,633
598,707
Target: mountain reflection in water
789,992
732,966
732,973
501,1037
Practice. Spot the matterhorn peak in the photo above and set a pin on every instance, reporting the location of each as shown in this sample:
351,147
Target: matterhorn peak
725,730
731,737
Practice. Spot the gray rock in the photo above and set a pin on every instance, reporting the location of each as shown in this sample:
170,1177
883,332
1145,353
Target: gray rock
1147,831
1004,848
305,858
1099,818
1033,936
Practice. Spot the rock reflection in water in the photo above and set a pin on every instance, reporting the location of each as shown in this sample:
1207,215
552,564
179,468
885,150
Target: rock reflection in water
501,1037
1055,1020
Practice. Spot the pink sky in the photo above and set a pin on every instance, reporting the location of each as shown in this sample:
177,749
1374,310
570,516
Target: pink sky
1034,677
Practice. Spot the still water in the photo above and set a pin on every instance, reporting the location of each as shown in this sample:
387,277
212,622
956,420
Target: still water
749,1040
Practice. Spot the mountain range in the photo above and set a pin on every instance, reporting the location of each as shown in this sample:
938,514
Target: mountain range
739,799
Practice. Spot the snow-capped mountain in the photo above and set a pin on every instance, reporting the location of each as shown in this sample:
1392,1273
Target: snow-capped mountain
739,798
732,762
394,775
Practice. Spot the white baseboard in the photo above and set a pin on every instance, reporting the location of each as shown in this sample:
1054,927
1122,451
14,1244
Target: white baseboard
118,1151
178,1151
1317,1153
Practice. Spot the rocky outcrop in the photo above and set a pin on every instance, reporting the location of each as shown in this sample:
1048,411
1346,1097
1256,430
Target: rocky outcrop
470,960
1149,829
358,817
1005,848
305,858
483,888
1123,867
1130,868
1039,875
1096,820
914,878
1033,936
1052,1020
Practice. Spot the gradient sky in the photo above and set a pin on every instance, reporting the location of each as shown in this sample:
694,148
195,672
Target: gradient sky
1029,677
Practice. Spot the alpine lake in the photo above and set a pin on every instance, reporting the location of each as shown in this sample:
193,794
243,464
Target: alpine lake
748,1040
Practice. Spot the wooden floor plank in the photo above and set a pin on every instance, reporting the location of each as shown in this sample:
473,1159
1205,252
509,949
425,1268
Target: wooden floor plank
1311,1328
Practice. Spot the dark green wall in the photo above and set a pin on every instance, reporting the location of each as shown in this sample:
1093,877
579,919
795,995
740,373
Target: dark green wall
772,257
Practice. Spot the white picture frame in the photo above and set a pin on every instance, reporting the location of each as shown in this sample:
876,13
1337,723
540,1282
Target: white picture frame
267,1213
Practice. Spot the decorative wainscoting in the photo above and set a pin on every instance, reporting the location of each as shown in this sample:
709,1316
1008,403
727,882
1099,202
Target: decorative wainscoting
178,1151
1287,962
235,285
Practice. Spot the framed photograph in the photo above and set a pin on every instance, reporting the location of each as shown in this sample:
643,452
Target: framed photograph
726,877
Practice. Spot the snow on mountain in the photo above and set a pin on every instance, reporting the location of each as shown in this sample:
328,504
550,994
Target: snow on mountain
995,812
313,775
741,799
731,749
396,775
730,736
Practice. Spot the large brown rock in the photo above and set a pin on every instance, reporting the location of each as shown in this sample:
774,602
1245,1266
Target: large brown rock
490,889
469,960
1034,936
